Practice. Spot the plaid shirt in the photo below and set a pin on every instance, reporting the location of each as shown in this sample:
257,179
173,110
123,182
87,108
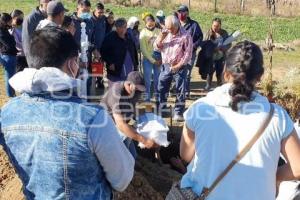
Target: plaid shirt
176,48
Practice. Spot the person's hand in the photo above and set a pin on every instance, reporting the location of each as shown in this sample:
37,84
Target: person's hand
112,67
97,55
158,62
149,144
176,68
163,34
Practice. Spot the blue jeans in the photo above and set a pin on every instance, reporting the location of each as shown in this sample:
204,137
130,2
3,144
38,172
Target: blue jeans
9,63
148,67
189,72
165,80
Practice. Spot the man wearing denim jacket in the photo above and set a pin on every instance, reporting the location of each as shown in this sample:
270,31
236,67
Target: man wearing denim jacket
61,147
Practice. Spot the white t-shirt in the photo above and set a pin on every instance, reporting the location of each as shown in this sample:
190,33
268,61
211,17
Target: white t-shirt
221,133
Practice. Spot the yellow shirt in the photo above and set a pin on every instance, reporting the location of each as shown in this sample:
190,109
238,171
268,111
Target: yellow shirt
147,39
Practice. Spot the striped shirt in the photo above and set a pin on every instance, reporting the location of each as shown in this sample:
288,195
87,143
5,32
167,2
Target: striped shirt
176,48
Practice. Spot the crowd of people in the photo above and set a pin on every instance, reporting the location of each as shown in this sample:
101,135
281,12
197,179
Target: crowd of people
65,147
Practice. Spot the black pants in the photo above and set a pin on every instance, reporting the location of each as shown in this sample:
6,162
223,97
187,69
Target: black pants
218,67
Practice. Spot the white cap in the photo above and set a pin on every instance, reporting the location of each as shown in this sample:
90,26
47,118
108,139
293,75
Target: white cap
160,13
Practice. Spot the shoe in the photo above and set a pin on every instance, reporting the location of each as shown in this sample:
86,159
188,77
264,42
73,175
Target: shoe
207,87
178,118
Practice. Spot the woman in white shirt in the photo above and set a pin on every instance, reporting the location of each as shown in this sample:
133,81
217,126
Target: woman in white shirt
219,125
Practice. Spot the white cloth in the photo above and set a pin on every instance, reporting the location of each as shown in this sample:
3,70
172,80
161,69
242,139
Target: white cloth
221,133
232,38
154,127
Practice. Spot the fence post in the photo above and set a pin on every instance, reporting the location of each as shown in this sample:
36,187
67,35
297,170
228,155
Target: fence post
216,10
242,6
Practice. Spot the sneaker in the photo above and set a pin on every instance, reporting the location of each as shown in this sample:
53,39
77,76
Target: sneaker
178,118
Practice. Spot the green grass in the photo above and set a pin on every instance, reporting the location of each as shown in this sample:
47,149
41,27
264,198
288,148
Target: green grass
254,28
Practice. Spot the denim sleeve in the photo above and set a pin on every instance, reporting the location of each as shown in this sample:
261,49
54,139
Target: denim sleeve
116,160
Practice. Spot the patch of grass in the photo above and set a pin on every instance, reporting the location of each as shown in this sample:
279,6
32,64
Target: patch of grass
254,28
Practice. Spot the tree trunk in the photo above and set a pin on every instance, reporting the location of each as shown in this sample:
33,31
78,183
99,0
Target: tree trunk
268,3
273,7
242,6
216,10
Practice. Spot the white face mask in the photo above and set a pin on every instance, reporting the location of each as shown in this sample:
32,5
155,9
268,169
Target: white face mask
75,75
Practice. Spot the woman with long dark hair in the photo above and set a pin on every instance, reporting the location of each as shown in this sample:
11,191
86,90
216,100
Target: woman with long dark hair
8,51
218,126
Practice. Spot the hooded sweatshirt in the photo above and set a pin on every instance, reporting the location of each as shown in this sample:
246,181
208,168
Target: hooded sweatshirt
45,79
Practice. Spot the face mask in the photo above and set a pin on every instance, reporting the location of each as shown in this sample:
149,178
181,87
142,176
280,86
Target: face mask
85,15
182,16
19,21
151,26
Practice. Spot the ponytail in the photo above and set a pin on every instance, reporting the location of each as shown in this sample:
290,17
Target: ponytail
245,64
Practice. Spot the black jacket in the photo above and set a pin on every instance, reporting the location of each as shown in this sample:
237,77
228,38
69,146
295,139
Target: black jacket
113,51
205,59
194,29
29,25
99,30
7,43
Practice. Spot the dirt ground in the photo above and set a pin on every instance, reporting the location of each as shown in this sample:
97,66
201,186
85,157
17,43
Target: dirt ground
151,180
